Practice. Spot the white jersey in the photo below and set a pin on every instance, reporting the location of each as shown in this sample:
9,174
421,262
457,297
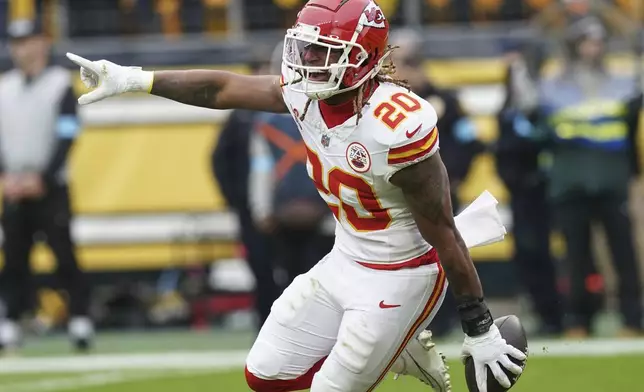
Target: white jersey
351,167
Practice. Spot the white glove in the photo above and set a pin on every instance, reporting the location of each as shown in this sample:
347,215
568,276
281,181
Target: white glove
490,349
108,79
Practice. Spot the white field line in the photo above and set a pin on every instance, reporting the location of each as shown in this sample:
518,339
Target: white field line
229,360
88,380
155,361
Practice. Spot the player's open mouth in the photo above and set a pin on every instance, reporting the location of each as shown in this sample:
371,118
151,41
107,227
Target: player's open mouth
320,76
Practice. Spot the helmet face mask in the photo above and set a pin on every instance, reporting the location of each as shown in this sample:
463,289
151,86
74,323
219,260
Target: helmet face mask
320,62
334,47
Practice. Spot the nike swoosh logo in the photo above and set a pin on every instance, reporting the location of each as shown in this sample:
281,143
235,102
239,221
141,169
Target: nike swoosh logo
383,305
411,134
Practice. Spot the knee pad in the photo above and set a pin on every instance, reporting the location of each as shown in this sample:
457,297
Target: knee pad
288,308
354,347
262,362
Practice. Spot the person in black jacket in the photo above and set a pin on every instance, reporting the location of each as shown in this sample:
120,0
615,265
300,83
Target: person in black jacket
231,167
517,155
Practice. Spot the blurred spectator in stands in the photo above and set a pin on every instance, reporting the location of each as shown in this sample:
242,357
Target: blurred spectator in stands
485,10
456,130
38,125
231,168
512,10
591,116
168,15
271,14
438,11
517,162
284,201
94,18
215,15
131,16
555,19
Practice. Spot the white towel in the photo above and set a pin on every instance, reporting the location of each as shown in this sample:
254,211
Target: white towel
480,223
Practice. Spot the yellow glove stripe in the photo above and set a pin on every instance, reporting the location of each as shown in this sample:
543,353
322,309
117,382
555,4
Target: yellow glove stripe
151,82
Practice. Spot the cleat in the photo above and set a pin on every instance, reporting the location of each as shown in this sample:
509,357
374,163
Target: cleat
81,333
82,346
421,360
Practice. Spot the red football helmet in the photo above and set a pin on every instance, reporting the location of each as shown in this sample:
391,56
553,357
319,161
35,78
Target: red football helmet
335,46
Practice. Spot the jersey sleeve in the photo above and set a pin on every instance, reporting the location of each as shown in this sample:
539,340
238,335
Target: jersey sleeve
416,142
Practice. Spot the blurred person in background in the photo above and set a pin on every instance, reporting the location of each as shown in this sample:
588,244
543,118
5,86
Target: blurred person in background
230,162
284,201
517,156
591,117
38,126
456,131
555,18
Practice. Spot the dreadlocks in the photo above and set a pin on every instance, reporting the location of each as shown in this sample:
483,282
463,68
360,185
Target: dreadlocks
386,75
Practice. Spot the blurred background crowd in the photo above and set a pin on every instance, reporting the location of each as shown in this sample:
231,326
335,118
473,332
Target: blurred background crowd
138,212
93,18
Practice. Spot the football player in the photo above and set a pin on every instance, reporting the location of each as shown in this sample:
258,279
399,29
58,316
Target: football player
372,148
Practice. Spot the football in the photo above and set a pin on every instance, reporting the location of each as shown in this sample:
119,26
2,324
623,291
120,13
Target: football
514,334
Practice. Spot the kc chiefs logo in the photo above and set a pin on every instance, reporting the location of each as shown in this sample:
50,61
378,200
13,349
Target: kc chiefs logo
373,16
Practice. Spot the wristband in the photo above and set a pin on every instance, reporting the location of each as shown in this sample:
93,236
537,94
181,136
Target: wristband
476,318
139,80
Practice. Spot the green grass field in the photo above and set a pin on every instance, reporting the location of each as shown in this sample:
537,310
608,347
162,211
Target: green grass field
542,374
212,362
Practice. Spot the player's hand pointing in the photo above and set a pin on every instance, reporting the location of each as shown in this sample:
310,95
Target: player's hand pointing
108,79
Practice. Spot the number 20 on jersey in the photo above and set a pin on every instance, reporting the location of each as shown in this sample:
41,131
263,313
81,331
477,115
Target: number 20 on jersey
394,111
391,113
378,218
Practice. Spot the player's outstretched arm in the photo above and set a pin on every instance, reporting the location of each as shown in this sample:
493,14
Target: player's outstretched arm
426,189
220,90
206,88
